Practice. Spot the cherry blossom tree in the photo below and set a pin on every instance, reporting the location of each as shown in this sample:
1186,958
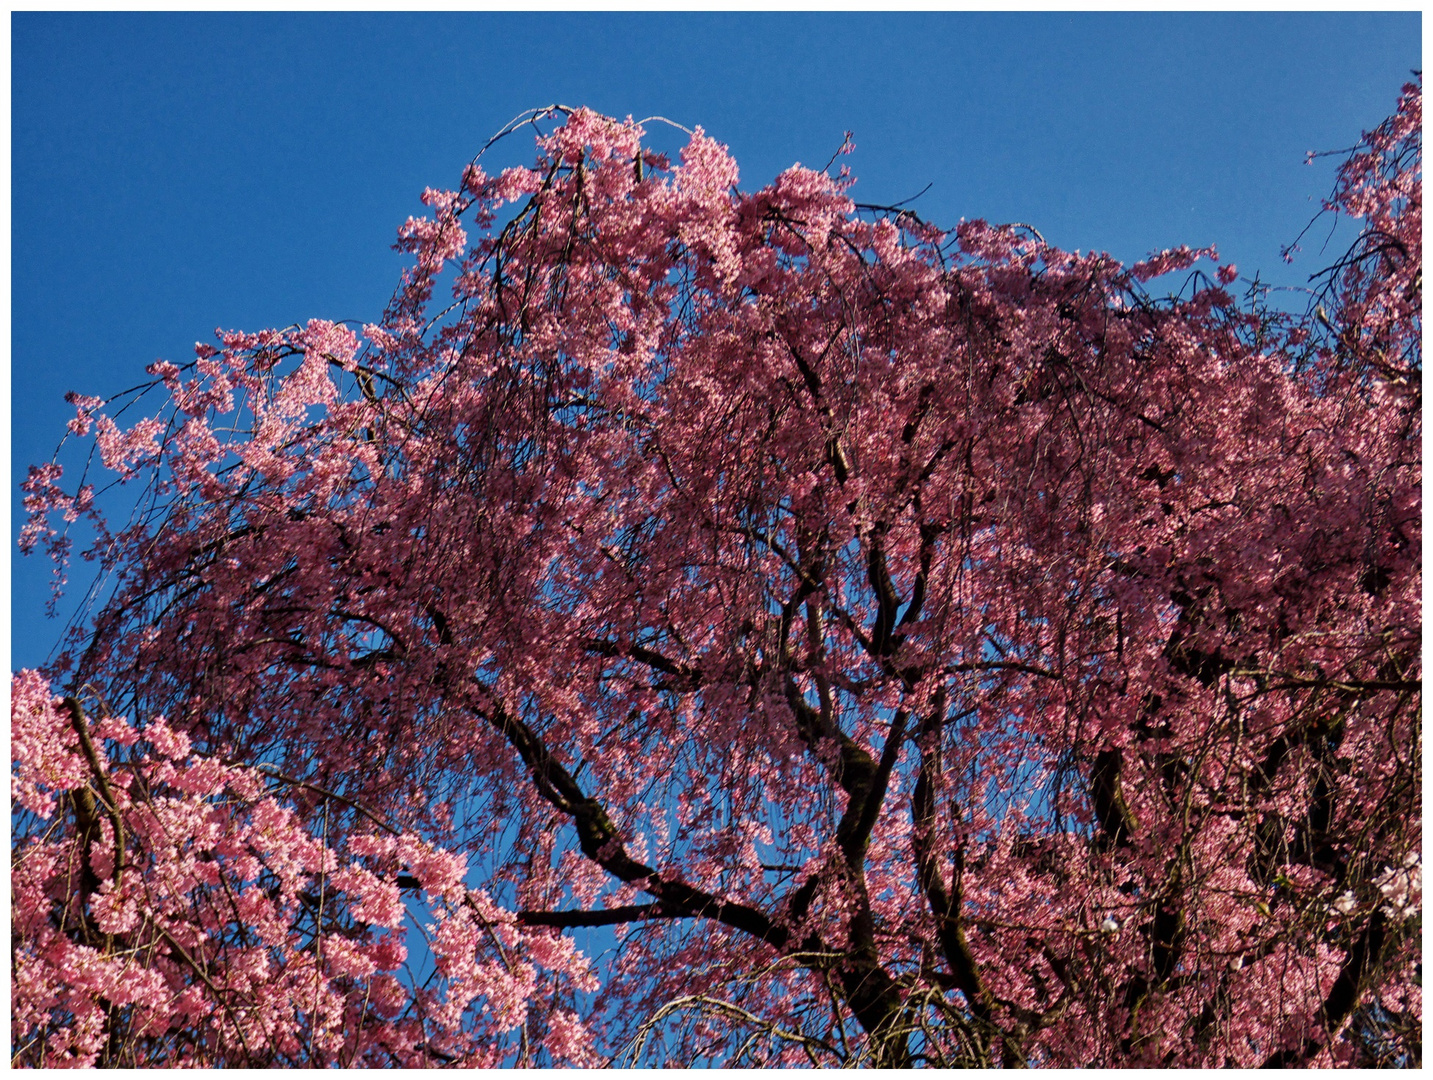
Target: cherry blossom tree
905,646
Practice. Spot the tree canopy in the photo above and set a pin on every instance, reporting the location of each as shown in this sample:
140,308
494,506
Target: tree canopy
910,646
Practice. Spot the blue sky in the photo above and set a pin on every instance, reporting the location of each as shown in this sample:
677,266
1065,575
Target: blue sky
174,173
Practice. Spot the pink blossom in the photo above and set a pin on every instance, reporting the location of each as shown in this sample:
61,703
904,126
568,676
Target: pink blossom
881,630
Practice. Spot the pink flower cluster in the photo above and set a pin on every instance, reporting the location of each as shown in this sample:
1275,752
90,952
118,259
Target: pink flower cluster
217,931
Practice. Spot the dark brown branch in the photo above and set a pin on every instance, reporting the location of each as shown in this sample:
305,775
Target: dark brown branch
856,768
887,600
655,660
601,842
1356,687
85,812
627,913
854,845
1343,995
272,770
945,905
1107,795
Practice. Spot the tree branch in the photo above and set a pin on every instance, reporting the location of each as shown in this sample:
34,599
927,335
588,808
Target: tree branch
627,913
601,843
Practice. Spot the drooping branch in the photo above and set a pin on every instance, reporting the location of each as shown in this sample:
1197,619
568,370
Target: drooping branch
1343,997
945,906
601,842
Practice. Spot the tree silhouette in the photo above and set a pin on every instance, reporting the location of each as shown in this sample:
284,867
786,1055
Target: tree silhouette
920,647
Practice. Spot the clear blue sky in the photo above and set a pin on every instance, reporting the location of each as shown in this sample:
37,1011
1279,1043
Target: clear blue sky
174,173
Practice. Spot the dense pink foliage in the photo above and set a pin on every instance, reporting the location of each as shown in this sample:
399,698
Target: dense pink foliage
218,930
922,647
